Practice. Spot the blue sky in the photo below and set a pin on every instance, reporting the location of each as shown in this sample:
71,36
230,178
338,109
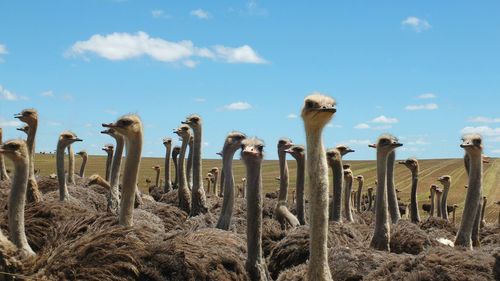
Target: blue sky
425,71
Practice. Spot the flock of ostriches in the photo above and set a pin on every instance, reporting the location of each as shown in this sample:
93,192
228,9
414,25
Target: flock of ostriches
71,227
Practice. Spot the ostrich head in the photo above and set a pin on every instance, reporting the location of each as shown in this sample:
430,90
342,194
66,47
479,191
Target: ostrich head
284,144
344,149
67,138
28,116
297,151
332,155
318,110
128,126
15,150
411,164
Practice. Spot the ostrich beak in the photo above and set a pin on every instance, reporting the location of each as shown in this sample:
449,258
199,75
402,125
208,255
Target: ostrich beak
18,115
397,144
78,139
109,125
372,145
351,150
184,122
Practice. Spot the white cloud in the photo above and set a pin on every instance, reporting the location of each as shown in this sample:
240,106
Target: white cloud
200,100
481,119
10,96
362,126
3,51
238,106
68,97
418,25
482,130
418,141
190,63
496,151
253,9
47,94
9,123
201,14
384,120
427,96
429,106
122,46
291,116
157,14
88,125
358,142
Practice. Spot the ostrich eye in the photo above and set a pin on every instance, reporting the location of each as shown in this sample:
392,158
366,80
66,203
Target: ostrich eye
477,142
260,147
385,141
242,146
125,122
310,104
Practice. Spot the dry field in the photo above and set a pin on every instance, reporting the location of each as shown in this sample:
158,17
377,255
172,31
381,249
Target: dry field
430,170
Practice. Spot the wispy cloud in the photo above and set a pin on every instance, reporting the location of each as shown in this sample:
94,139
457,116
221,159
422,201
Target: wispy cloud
356,142
5,94
427,96
47,94
240,105
111,111
362,126
254,9
428,106
159,14
3,51
291,116
496,151
201,14
123,46
416,24
482,130
481,119
68,97
200,100
384,120
9,123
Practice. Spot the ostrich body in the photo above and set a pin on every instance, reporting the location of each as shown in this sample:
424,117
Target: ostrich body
360,180
199,200
109,159
412,165
334,159
85,157
318,110
175,154
158,171
347,195
65,140
3,170
30,117
282,214
114,192
252,155
17,151
381,235
231,145
392,196
167,142
298,152
473,148
446,182
189,163
184,194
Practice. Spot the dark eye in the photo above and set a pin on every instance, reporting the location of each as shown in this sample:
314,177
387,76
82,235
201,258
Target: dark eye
477,142
195,119
384,141
310,104
260,147
242,146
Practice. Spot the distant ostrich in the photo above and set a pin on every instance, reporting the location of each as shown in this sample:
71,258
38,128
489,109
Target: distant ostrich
439,193
360,180
71,165
498,221
157,169
189,163
281,213
17,152
318,110
65,139
30,117
231,145
109,149
381,235
3,171
446,182
483,210
472,144
85,157
370,198
208,178
299,153
215,178
167,142
252,155
433,196
412,165
24,129
347,194
175,154
199,205
334,160
114,192
183,193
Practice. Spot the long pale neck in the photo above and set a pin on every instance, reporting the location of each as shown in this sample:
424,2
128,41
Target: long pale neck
175,159
317,169
370,199
301,170
380,240
30,141
283,194
132,162
168,183
109,160
347,198
392,197
198,193
61,177
182,162
415,216
84,165
432,202
338,178
71,165
117,162
438,200
444,201
228,199
189,166
17,199
254,220
358,196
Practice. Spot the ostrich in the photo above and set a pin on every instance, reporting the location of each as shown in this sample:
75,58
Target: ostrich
282,214
175,154
392,196
215,178
317,111
381,235
189,163
483,210
252,155
334,159
472,144
85,157
30,117
231,145
24,129
114,192
157,170
3,171
439,193
347,194
432,197
298,152
17,151
498,221
130,127
167,142
370,198
446,182
109,148
199,204
65,139
183,192
71,165
360,180
208,178
244,187
454,210
412,165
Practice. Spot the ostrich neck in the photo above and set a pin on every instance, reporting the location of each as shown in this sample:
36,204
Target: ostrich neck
30,141
301,170
317,169
61,177
189,166
380,239
283,194
182,160
444,200
168,183
84,165
198,193
338,178
432,202
392,197
109,159
228,199
132,162
17,199
71,165
415,217
438,200
358,196
176,169
117,162
347,198
370,199
471,201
